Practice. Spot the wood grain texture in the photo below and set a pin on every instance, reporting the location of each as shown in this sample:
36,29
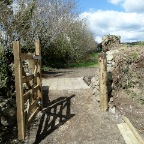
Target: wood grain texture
19,90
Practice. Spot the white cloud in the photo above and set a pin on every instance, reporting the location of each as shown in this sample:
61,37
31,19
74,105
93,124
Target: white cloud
130,5
134,5
128,25
115,2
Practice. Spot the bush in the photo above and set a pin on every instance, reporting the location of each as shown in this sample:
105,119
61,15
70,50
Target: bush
6,73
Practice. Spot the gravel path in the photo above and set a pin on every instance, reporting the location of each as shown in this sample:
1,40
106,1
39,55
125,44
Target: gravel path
73,117
72,72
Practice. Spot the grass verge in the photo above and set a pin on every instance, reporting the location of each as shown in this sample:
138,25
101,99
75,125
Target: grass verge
90,60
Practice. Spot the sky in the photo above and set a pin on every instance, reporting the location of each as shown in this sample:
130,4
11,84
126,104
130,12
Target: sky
124,18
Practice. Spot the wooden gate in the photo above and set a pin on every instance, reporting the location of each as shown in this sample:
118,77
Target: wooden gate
28,87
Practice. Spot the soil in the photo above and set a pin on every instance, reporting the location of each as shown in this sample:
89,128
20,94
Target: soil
83,122
71,72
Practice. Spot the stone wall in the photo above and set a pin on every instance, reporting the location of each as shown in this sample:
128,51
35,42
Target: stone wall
110,42
111,60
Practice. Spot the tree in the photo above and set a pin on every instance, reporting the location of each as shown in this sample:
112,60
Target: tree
64,38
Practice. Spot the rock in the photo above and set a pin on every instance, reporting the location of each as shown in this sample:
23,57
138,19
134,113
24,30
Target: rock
87,80
109,62
3,104
112,110
110,69
96,75
94,91
97,78
97,83
93,79
97,87
111,99
4,122
98,98
109,57
113,63
109,65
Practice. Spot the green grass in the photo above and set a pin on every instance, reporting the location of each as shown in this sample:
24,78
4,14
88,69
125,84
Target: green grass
91,60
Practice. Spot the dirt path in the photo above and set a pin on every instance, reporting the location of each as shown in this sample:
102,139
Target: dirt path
72,72
73,117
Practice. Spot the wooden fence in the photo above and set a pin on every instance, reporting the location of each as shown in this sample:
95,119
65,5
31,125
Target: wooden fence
102,60
28,87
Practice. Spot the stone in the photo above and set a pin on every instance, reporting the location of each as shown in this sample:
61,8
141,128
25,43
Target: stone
110,69
112,110
113,63
109,62
87,80
109,57
111,99
94,91
97,87
97,83
93,79
98,98
109,65
4,122
96,78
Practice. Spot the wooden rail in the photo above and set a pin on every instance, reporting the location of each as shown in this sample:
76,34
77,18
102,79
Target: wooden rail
29,103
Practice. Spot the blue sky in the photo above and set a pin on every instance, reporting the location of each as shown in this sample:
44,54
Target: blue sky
119,17
86,5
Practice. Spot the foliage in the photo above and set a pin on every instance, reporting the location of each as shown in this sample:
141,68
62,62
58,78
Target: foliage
64,38
90,60
6,74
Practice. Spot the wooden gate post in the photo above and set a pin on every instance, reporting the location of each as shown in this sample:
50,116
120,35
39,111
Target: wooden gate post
38,52
19,90
103,82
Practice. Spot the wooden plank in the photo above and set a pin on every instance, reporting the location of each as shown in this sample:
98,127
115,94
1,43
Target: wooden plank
54,84
39,79
103,82
82,83
75,84
37,57
32,107
30,92
19,90
34,104
36,88
68,83
127,134
60,84
26,56
32,116
27,78
27,95
132,128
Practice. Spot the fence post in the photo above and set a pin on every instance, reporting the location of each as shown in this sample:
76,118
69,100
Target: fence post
19,90
38,52
103,82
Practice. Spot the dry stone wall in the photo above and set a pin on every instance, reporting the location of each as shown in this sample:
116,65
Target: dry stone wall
110,42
